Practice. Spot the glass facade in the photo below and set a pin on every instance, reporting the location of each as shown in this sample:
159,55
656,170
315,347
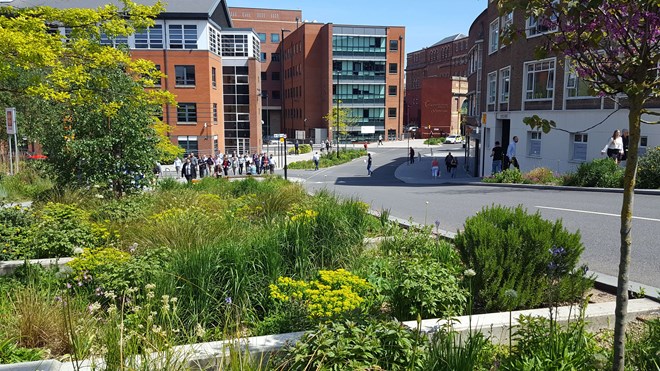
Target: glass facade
359,71
236,94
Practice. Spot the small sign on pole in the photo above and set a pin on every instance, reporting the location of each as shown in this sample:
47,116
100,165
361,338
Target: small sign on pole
10,118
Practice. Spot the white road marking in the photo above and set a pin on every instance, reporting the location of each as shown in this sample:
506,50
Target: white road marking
594,212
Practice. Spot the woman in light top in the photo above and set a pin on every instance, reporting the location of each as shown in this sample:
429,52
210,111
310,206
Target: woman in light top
614,147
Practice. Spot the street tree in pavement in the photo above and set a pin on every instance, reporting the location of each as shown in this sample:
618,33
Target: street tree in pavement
614,46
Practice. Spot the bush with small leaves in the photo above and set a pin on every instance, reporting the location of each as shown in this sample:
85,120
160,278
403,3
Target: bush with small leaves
602,172
648,170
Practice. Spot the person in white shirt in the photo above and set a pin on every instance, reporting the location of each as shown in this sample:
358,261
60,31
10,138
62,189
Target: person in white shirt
511,154
271,164
177,166
614,148
316,158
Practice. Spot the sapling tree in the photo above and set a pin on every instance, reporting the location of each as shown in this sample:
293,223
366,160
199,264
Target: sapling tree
614,46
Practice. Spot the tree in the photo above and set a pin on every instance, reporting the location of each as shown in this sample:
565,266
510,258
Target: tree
99,125
615,47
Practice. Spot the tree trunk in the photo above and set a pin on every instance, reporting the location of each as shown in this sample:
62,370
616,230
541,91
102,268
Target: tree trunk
634,118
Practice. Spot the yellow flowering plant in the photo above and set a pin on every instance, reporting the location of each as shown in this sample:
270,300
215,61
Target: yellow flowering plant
333,294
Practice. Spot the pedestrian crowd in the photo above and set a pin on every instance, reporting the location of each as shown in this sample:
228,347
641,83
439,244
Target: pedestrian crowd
224,165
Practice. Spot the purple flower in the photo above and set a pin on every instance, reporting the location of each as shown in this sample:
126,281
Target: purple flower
228,300
68,285
98,291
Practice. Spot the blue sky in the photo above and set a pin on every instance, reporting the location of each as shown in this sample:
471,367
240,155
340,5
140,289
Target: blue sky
426,21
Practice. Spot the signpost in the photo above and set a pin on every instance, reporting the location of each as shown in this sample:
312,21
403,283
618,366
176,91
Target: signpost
282,138
10,120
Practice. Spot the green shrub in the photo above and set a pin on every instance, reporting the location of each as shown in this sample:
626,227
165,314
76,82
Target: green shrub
648,170
27,184
434,141
347,345
510,249
15,222
643,350
425,288
542,344
330,159
603,172
302,148
511,176
123,210
449,352
12,353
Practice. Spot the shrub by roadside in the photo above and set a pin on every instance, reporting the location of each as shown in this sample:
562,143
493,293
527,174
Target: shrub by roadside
434,141
302,148
330,159
648,170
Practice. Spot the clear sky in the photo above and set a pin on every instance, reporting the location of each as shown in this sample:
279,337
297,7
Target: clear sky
426,21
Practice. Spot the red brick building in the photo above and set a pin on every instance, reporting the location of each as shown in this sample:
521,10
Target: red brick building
271,26
358,68
435,78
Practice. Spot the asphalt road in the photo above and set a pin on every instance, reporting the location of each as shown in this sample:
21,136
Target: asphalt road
594,214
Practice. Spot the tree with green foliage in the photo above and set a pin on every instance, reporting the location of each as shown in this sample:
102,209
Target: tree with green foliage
614,46
98,119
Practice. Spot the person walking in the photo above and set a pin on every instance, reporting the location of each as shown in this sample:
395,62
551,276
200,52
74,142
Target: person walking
296,146
614,147
625,138
188,171
412,155
316,160
380,140
369,162
177,166
327,145
497,154
511,155
271,163
435,168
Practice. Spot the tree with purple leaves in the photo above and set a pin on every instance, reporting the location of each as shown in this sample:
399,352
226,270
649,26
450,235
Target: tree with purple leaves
614,46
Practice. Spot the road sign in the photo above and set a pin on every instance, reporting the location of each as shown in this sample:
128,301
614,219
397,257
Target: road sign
281,140
10,115
279,135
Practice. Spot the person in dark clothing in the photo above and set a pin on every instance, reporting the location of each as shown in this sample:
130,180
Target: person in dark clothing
412,155
369,172
625,137
188,171
497,154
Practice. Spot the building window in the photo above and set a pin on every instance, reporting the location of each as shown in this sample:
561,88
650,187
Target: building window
188,143
580,147
186,112
391,90
215,112
274,37
534,143
214,77
275,94
185,75
183,36
506,22
540,80
151,38
275,57
575,86
505,84
394,45
234,45
262,37
264,76
494,36
157,81
394,68
391,112
275,76
263,57
542,24
492,87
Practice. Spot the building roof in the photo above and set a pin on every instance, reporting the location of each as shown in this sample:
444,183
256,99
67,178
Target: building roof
215,9
449,39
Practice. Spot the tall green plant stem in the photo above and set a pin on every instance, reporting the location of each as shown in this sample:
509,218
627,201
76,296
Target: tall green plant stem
629,180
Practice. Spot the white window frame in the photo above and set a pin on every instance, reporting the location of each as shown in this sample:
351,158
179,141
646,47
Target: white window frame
491,88
572,81
150,38
494,36
579,139
534,138
534,29
539,68
505,85
506,21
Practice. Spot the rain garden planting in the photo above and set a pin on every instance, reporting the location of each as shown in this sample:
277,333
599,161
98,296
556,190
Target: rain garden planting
222,260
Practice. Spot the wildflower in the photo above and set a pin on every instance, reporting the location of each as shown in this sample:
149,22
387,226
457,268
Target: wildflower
112,308
98,291
133,248
99,196
150,295
150,286
469,273
228,300
68,285
110,295
58,299
200,331
557,251
80,283
77,251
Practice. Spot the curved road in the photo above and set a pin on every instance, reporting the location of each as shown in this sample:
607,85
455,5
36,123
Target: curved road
594,214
